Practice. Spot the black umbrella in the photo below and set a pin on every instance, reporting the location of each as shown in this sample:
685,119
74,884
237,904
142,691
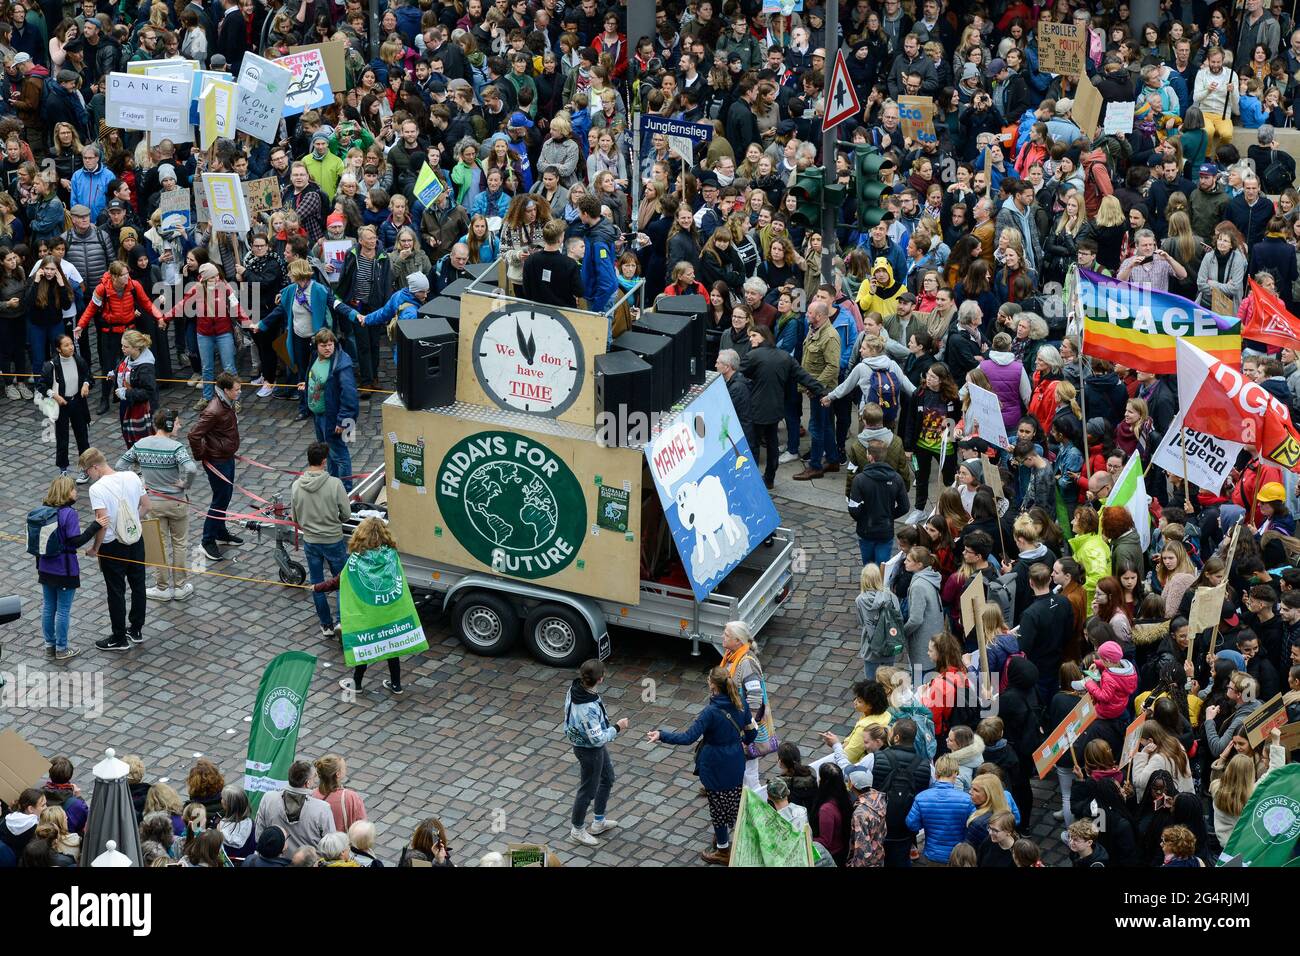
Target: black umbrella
111,837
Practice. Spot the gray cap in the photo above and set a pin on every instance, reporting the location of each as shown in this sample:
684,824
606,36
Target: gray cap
417,282
80,210
22,58
970,71
861,780
166,171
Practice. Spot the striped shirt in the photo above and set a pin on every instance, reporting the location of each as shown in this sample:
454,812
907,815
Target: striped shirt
365,276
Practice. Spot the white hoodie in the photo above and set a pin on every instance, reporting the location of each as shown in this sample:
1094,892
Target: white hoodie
861,377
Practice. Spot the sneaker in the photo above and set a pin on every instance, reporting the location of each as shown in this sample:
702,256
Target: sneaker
1058,816
194,380
582,836
346,684
327,632
24,391
49,651
12,392
338,630
600,826
260,380
68,653
82,477
231,539
303,416
114,644
201,404
266,391
913,516
212,552
158,594
395,688
184,592
787,457
135,637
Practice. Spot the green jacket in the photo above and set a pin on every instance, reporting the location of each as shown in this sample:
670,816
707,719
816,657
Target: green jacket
361,138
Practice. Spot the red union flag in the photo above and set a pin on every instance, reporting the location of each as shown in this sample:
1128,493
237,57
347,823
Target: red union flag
1218,400
1270,321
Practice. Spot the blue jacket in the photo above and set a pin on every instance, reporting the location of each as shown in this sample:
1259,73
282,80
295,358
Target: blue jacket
483,205
721,761
941,811
341,400
585,722
1069,459
791,335
599,279
408,22
843,323
403,304
91,189
1253,115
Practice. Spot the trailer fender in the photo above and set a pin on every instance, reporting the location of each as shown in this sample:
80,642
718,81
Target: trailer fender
528,594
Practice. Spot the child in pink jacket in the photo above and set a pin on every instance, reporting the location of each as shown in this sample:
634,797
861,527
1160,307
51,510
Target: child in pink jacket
1111,681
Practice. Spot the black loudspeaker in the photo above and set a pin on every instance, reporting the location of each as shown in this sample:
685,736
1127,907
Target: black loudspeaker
624,383
454,290
677,328
426,363
657,352
441,308
696,307
480,269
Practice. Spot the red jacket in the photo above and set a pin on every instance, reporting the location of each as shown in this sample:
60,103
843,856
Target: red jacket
619,54
214,312
115,311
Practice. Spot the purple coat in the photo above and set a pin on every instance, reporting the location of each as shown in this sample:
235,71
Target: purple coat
1005,380
64,565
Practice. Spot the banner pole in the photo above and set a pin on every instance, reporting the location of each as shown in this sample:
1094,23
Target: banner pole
1077,305
1187,489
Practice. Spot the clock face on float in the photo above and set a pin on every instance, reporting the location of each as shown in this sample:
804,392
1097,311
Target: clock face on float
528,359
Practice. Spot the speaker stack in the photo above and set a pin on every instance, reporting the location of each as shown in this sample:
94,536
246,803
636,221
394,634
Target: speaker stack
703,347
678,329
656,351
426,362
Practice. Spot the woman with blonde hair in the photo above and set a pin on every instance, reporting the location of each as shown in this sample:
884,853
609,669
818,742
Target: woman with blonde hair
1175,574
1182,244
1135,430
872,603
724,726
371,544
1230,793
989,797
53,827
1111,227
346,804
163,797
1160,750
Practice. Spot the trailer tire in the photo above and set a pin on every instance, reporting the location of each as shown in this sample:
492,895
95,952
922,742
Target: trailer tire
487,623
558,636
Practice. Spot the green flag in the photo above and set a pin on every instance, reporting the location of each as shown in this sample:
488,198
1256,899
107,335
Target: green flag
765,838
1130,493
1269,825
276,718
376,609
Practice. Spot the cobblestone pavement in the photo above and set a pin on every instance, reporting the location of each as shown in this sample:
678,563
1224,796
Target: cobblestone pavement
474,740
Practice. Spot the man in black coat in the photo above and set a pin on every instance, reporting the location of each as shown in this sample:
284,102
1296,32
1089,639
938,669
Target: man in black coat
900,773
877,498
772,372
1104,394
1250,212
742,124
1046,623
728,366
231,35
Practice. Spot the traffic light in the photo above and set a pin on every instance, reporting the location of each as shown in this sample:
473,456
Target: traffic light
867,164
808,190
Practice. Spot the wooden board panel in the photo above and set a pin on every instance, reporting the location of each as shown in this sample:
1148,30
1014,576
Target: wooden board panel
544,508
591,332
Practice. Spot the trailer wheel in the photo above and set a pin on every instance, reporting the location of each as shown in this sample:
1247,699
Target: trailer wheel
293,573
558,635
488,624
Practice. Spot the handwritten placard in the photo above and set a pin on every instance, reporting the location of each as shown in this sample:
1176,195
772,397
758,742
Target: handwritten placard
1119,119
916,115
1062,48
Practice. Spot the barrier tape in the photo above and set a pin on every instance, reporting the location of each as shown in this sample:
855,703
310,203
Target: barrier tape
229,515
290,471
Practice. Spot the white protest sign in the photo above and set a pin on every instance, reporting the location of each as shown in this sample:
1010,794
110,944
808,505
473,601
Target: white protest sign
310,86
1119,118
984,417
157,105
1209,459
226,206
262,89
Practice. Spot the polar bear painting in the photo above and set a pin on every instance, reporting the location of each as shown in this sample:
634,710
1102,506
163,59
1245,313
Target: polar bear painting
720,537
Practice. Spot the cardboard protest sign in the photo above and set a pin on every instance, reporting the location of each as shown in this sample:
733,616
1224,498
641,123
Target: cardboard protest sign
1062,48
1207,607
262,196
174,205
984,417
993,478
1221,303
226,206
263,86
310,87
1119,119
972,603
1291,737
1209,459
1060,740
1256,727
916,115
21,766
335,57
158,105
1131,740
217,107
1087,105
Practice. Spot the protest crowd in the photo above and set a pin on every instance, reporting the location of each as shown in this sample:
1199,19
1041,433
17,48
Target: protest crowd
1019,363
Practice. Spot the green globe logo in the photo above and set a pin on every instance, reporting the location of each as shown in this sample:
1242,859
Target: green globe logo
512,503
280,712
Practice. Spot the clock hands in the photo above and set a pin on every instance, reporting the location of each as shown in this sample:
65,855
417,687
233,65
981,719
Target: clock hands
527,346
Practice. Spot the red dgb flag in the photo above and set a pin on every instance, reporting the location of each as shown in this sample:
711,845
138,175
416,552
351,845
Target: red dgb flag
1218,400
1270,321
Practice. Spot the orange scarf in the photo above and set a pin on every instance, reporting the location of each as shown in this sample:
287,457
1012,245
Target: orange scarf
731,659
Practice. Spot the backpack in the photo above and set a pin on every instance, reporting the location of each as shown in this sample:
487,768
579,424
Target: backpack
1276,177
965,711
900,791
44,540
1002,592
882,388
886,641
126,526
924,744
